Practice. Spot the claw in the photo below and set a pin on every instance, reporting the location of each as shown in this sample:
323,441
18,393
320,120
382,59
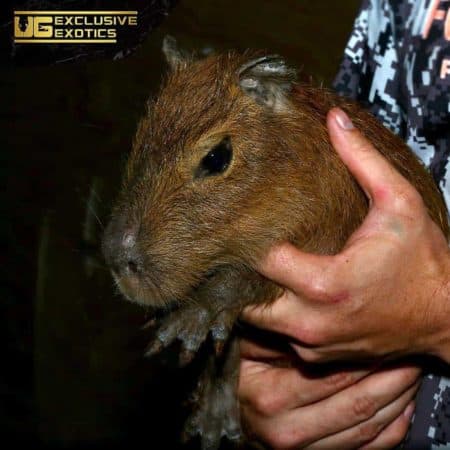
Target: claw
191,400
185,437
191,429
149,324
220,332
210,442
218,347
191,328
154,348
185,357
233,429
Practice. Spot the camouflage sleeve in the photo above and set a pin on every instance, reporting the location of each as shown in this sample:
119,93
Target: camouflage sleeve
368,69
397,63
430,428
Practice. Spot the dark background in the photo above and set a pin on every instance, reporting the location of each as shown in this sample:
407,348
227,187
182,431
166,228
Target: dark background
72,372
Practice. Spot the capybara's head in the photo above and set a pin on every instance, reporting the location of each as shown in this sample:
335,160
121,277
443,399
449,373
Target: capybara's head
215,176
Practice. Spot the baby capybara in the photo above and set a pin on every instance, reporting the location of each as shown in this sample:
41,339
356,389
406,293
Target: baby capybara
233,156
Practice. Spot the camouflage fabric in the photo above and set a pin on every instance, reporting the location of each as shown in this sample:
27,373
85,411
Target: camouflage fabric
397,62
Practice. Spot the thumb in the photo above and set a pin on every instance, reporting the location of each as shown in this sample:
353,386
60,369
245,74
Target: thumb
377,177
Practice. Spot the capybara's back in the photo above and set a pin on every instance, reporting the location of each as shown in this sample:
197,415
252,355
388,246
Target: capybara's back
232,157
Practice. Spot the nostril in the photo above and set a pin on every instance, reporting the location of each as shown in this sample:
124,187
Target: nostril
132,266
121,249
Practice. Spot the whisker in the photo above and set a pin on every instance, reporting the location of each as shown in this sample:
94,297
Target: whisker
92,211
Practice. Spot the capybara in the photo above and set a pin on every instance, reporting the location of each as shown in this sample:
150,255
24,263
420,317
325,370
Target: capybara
233,156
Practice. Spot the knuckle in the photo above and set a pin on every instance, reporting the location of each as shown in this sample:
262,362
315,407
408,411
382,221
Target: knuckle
325,284
267,405
363,407
310,333
369,430
339,379
320,286
283,438
250,393
365,147
407,200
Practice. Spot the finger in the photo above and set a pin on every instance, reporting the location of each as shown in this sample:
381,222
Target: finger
279,317
270,390
380,181
395,432
313,276
376,432
254,351
290,316
346,409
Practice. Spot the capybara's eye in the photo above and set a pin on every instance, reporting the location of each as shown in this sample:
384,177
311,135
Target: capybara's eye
217,160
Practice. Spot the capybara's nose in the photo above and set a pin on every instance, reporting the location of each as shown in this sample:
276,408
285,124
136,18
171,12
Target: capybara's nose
120,248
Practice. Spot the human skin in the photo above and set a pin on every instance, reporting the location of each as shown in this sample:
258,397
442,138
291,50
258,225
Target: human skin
286,407
385,296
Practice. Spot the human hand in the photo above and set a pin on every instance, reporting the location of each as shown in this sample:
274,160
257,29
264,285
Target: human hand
285,406
386,294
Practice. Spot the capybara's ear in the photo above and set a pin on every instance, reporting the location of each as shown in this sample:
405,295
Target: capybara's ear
268,80
175,57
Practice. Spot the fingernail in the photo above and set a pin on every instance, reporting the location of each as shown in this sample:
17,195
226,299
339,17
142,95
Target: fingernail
343,120
409,411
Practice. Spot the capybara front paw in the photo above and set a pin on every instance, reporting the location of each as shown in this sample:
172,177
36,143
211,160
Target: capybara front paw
191,326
